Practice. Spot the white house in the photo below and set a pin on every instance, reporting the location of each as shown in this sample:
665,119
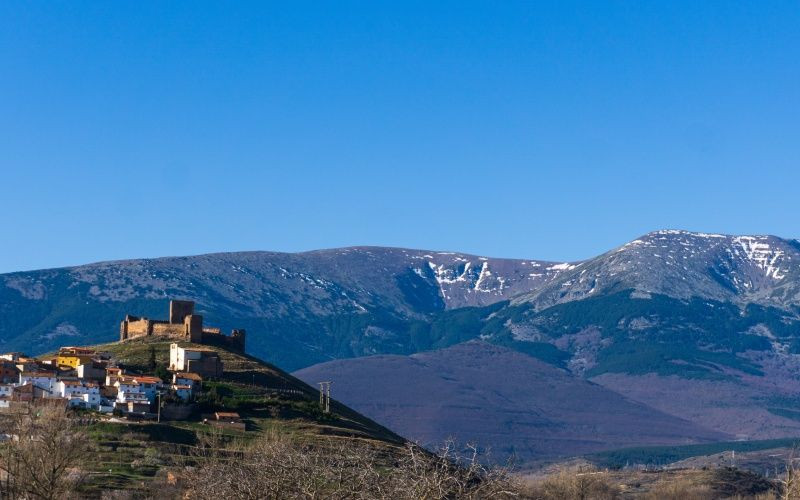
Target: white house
203,361
132,401
148,386
43,380
6,390
126,385
179,357
191,379
80,393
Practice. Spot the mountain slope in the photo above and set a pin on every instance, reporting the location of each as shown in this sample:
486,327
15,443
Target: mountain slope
500,399
298,308
740,269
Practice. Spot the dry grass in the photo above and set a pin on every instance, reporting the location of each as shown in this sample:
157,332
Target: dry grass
679,489
682,484
575,484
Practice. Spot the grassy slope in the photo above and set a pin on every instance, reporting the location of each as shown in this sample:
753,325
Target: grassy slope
131,453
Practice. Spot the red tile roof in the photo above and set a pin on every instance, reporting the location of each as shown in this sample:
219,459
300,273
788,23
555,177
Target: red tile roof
148,380
226,414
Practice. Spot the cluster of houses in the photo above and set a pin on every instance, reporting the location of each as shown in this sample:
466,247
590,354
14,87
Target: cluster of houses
82,377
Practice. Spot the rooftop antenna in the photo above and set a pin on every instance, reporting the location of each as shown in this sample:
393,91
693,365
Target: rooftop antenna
325,396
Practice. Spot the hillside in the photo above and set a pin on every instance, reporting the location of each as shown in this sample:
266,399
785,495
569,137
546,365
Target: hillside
130,455
504,401
253,381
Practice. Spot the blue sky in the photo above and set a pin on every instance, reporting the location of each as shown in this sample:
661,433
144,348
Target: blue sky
522,129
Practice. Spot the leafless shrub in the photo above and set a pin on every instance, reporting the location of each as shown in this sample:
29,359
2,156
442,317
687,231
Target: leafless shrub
790,482
41,456
275,467
447,474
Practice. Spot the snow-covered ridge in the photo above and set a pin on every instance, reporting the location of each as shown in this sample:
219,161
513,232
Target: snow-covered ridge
679,247
687,233
758,269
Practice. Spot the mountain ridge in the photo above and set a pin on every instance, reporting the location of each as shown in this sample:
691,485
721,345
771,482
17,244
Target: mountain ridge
304,303
739,268
332,303
672,313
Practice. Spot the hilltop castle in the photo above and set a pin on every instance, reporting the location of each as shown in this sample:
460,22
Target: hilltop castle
183,324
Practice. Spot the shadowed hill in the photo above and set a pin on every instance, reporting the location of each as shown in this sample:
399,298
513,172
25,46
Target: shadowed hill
500,399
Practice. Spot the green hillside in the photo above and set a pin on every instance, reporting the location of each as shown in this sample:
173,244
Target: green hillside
129,455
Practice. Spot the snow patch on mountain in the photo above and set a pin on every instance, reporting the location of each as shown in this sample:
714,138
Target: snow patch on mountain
566,266
758,250
482,277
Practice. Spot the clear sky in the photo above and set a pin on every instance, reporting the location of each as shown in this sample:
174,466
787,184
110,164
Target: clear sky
551,130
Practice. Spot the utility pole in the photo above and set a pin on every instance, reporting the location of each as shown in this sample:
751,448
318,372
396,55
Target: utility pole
328,399
325,396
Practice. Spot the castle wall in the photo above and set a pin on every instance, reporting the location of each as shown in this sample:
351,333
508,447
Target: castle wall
136,328
235,341
169,330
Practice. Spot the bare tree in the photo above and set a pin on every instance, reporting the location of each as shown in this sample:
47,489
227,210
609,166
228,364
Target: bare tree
449,474
41,454
277,467
790,482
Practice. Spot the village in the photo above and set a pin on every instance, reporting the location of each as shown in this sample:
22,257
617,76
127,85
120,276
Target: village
88,379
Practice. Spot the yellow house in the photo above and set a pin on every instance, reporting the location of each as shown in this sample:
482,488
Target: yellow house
74,356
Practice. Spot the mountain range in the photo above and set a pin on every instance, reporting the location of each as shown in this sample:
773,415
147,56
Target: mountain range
698,331
301,308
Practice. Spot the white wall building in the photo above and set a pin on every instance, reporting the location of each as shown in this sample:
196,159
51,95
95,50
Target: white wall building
79,393
6,390
43,380
182,378
149,386
180,356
